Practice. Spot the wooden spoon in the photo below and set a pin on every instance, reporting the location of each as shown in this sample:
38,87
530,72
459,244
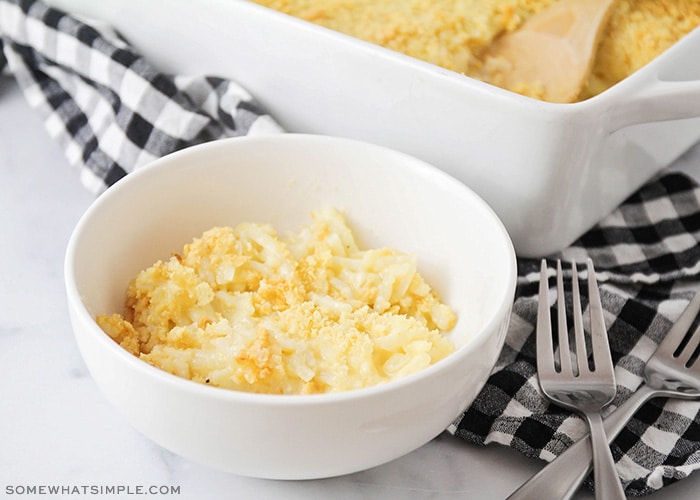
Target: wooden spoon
554,48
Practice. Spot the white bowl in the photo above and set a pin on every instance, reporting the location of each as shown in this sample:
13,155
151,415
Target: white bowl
390,199
550,171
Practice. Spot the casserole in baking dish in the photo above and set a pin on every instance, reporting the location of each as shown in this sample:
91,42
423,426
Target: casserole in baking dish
459,34
550,171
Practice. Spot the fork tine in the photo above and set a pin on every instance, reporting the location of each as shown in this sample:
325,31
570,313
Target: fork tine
690,347
579,338
545,348
599,335
564,348
694,365
680,328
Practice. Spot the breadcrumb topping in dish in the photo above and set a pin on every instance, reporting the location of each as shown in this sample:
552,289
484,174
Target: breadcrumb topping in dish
638,32
244,309
454,34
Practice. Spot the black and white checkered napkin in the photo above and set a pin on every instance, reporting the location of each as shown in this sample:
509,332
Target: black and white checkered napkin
108,108
112,112
647,259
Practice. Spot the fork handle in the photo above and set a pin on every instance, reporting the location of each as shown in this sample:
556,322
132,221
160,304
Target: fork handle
560,479
607,482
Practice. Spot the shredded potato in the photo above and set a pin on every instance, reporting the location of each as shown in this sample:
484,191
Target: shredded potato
242,308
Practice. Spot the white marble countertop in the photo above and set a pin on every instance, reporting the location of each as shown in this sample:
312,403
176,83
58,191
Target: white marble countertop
56,428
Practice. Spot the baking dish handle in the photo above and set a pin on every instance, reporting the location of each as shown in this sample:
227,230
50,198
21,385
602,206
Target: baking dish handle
662,100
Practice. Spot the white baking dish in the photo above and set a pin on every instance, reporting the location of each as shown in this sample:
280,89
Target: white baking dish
550,171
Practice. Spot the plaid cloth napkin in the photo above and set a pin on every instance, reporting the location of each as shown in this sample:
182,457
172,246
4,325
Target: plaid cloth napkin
107,107
113,112
647,259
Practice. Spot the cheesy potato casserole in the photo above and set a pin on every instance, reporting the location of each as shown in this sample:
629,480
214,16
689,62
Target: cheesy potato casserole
245,309
454,34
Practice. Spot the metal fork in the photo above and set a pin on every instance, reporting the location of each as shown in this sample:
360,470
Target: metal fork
672,371
579,384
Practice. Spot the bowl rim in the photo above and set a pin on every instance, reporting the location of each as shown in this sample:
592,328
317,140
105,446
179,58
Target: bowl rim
78,307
